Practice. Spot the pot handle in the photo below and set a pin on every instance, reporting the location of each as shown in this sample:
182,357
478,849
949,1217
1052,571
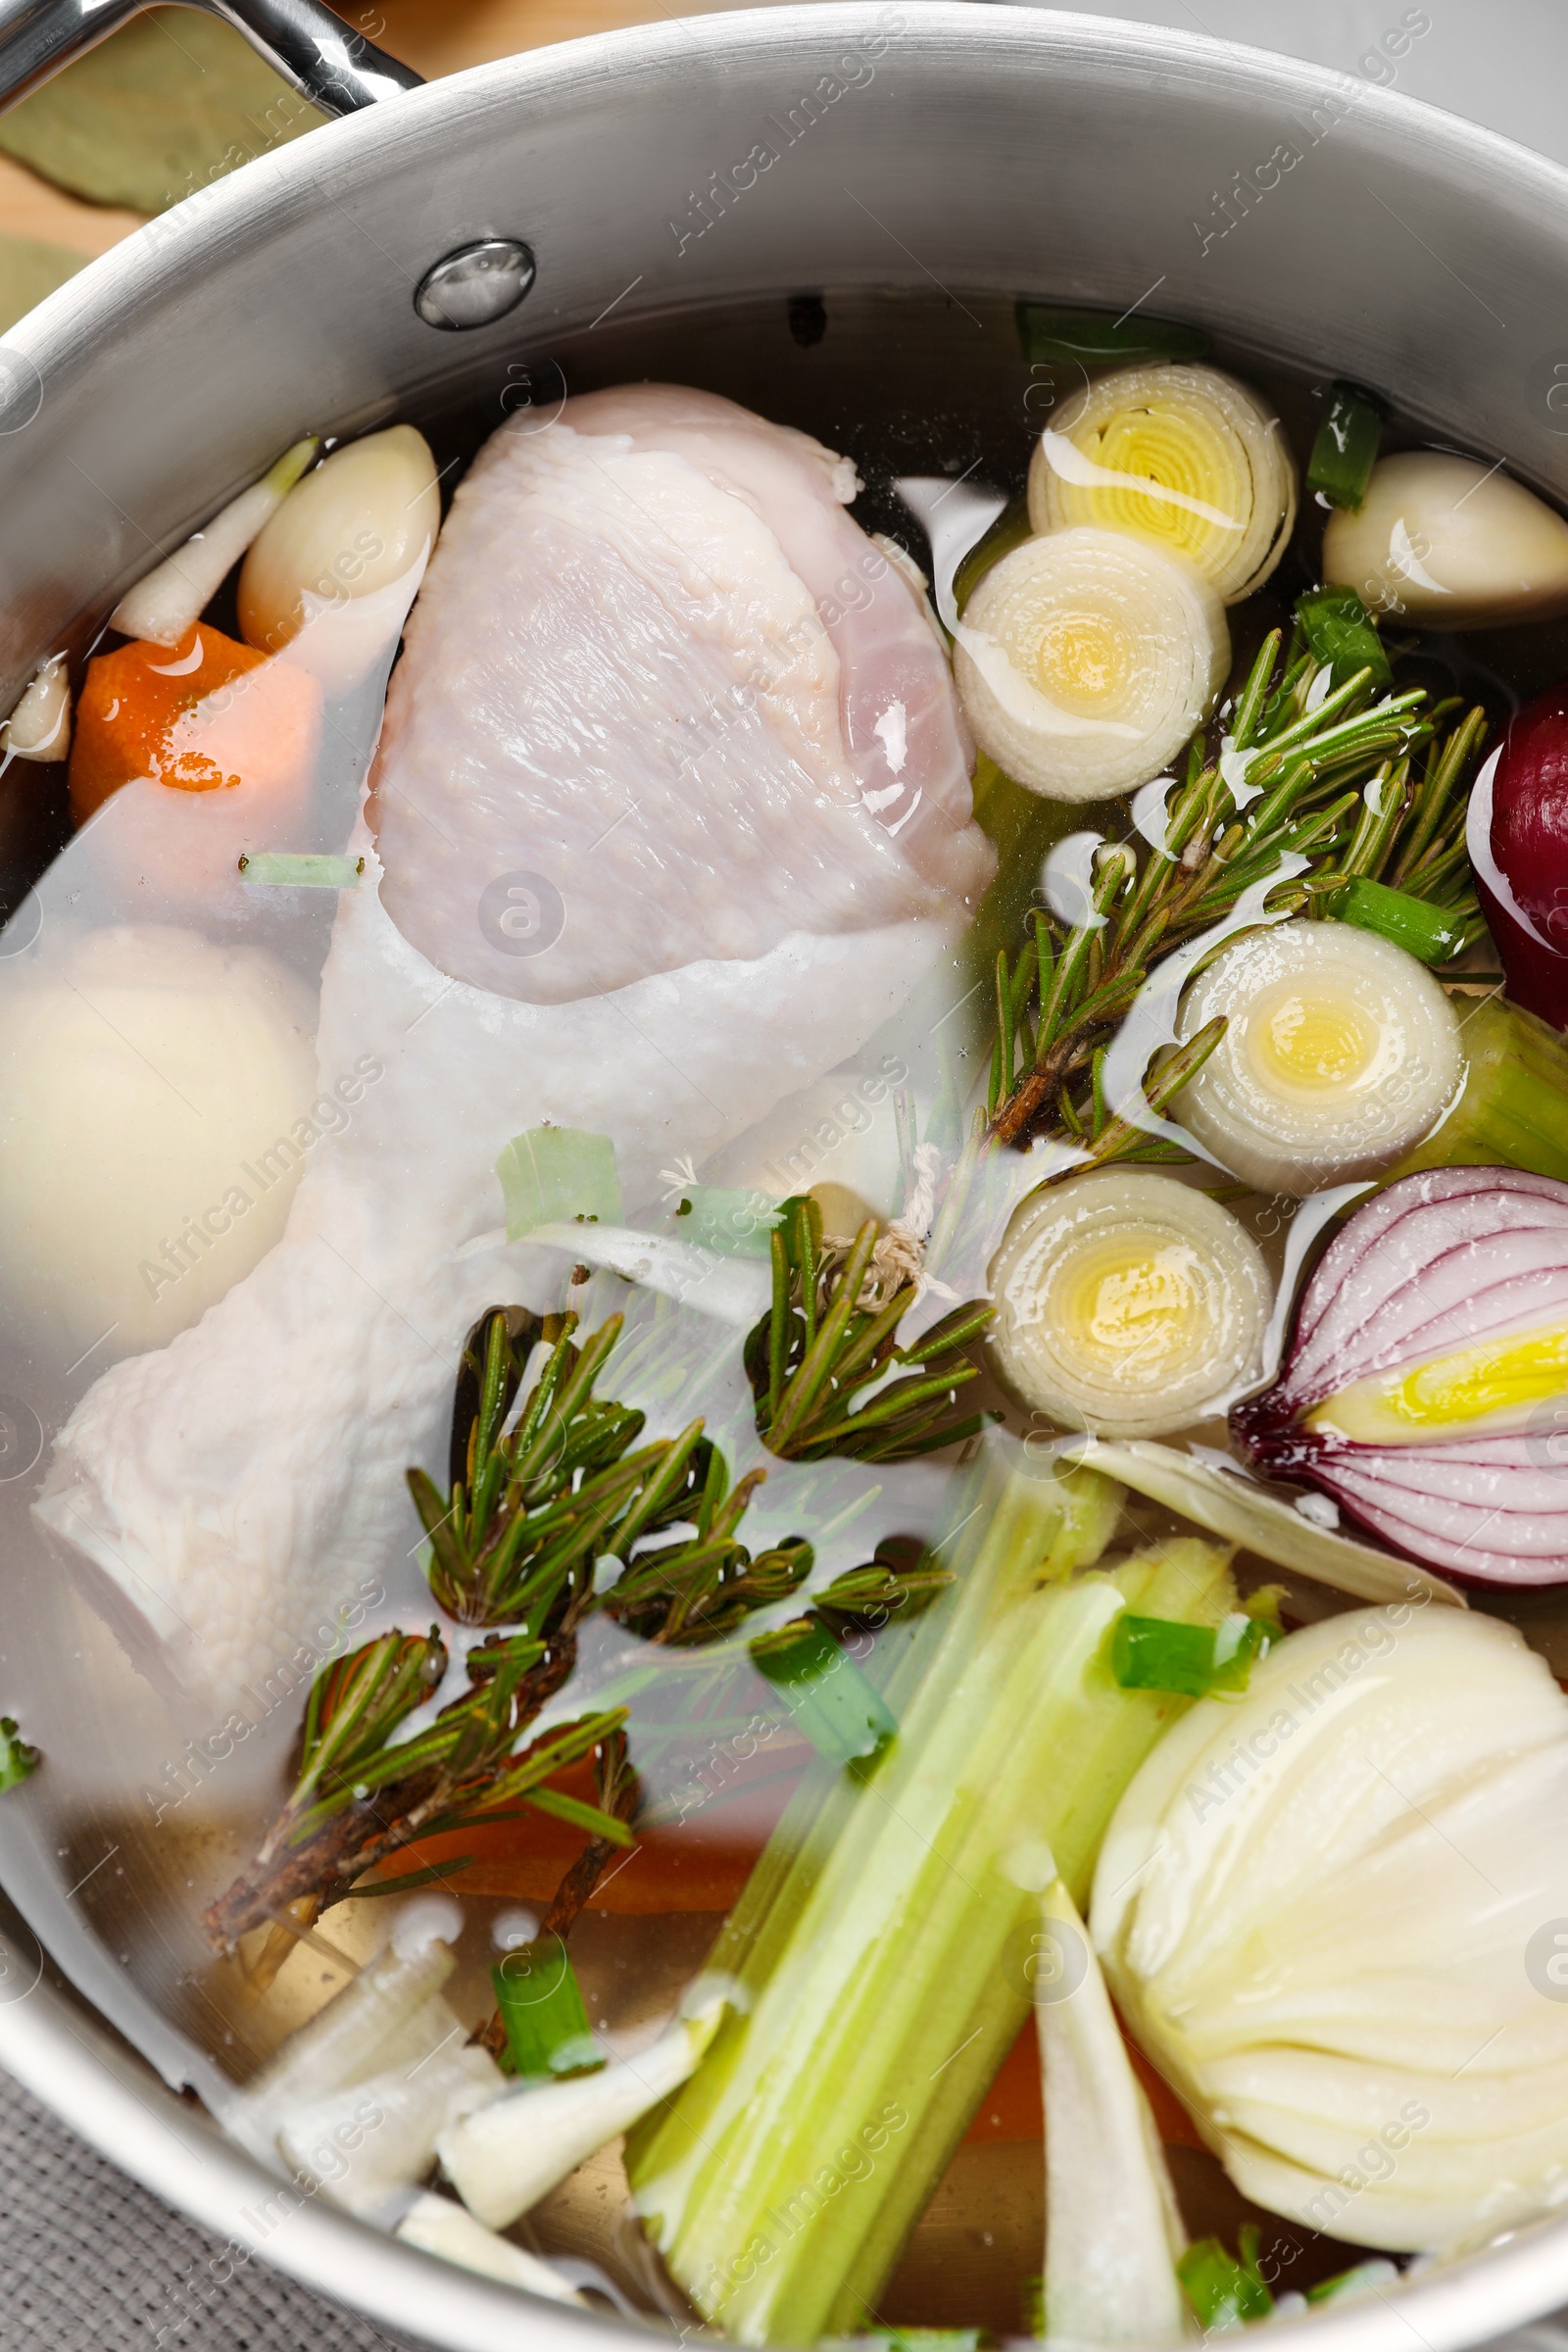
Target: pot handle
323,58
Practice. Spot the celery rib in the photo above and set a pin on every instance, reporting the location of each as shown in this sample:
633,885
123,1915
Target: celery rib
879,1953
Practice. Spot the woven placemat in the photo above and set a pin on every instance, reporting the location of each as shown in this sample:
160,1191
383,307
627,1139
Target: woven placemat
92,2261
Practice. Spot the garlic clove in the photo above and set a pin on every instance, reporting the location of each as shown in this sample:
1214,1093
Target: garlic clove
1446,542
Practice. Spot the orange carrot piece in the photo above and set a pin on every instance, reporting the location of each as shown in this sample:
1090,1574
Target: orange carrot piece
206,714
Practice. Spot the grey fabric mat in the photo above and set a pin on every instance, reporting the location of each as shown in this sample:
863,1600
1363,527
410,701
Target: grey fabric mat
89,2262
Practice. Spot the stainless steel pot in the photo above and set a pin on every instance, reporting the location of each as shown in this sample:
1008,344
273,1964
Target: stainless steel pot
959,148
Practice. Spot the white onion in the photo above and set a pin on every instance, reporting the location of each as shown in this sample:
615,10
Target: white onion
333,574
1340,1052
1447,542
1425,1382
1127,1303
1327,1911
1086,659
155,1093
1182,456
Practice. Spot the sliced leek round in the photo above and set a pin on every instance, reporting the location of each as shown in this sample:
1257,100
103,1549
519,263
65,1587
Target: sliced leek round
1085,661
1340,1052
1127,1304
1184,457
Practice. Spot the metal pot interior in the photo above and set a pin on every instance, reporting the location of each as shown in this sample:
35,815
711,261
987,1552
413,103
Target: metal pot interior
966,157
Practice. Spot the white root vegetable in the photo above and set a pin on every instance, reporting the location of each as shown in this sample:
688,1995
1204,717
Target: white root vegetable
174,594
152,1083
39,727
1127,1304
390,2016
363,2144
1445,542
1240,1511
1086,659
332,576
1339,1053
1184,457
437,2226
509,2155
1330,1912
1113,2233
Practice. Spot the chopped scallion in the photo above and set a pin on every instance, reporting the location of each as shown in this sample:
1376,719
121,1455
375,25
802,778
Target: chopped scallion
830,1698
1095,339
1340,630
1347,445
1224,2291
541,2006
550,1175
283,870
1429,933
1160,1653
17,1759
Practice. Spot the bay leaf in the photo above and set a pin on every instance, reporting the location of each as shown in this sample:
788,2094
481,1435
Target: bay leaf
29,270
167,103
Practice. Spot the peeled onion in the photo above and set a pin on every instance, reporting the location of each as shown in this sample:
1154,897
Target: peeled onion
1328,1913
1446,542
1086,659
1184,457
155,1093
1425,1383
1127,1304
333,574
1339,1051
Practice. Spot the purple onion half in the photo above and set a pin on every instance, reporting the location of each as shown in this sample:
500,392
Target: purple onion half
1437,1262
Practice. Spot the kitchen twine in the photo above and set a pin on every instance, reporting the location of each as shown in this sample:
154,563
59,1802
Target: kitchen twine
91,2261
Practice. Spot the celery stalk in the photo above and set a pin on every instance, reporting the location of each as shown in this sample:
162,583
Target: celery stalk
1514,1108
880,1949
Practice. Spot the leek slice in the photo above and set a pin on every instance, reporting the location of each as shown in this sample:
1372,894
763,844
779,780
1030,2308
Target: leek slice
1184,457
1240,1511
1127,1303
1339,1053
1086,659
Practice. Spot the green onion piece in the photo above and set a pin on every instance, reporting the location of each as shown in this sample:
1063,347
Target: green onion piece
1159,1653
540,2001
17,1759
1514,1108
1362,2279
734,1222
1347,445
1339,630
1223,2291
1429,933
830,1698
553,1174
1096,339
283,870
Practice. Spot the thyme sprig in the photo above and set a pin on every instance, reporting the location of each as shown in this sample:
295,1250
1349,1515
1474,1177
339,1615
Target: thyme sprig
821,1359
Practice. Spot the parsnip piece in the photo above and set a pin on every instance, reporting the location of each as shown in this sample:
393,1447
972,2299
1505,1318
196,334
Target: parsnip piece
175,593
1443,541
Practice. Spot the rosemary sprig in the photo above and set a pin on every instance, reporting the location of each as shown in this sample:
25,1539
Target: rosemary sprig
818,1359
1299,801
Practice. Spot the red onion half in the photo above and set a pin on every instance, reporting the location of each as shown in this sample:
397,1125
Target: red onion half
1517,838
1412,1301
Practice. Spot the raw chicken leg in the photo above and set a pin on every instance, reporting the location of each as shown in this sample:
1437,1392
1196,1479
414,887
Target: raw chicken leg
242,1485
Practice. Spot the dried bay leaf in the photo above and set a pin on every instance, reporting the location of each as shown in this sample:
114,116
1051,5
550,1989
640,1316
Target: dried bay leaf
29,270
167,103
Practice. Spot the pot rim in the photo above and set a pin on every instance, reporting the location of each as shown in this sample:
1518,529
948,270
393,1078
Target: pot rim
49,2040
